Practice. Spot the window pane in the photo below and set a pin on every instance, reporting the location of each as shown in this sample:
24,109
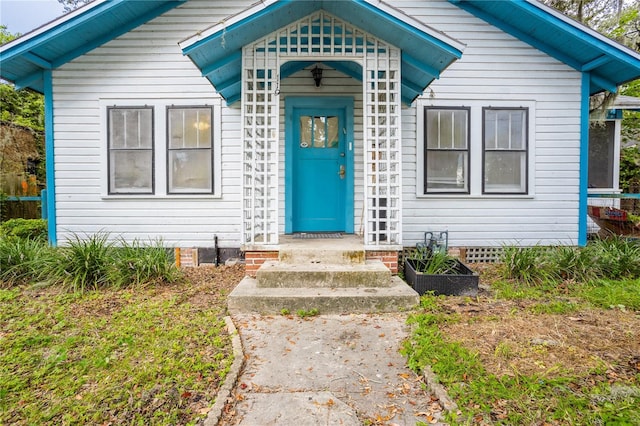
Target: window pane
130,127
446,134
189,128
433,129
460,129
505,172
190,171
518,127
333,132
305,131
601,149
490,141
505,129
319,133
130,171
447,171
446,129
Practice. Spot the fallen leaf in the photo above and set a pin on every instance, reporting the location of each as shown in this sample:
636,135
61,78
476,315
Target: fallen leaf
381,335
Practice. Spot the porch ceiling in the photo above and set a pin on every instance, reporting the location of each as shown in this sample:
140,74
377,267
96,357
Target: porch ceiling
608,63
217,52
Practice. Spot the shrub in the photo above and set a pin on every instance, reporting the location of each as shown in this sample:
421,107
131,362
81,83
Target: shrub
24,228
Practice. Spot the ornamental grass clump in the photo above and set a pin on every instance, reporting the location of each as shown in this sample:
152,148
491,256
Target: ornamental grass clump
87,264
610,258
96,262
21,260
434,262
529,265
142,264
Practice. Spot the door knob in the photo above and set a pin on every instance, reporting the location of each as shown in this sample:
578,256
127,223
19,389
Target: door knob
342,172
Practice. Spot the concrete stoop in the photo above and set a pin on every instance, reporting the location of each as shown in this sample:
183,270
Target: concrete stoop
332,281
249,297
371,273
331,276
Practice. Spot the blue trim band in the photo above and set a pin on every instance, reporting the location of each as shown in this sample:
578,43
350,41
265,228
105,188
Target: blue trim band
49,144
584,160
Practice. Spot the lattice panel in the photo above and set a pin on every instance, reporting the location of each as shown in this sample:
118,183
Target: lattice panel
312,38
319,34
260,106
382,145
483,254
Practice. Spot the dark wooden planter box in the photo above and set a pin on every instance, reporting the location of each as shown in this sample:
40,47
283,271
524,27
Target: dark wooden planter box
464,284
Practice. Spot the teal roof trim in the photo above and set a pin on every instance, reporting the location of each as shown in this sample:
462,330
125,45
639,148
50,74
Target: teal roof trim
608,63
425,53
23,60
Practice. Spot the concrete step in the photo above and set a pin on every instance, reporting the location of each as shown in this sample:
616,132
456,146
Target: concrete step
338,256
248,297
346,251
372,273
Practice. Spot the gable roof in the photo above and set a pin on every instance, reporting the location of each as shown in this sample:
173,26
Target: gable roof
74,34
217,52
608,63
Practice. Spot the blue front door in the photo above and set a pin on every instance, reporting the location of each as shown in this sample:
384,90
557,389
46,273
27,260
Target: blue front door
319,172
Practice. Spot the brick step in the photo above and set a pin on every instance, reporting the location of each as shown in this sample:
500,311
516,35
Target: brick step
371,273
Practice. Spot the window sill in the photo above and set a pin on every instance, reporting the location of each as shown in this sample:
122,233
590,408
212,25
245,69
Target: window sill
476,196
134,197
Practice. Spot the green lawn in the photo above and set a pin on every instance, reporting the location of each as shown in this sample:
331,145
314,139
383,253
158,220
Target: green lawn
547,354
144,355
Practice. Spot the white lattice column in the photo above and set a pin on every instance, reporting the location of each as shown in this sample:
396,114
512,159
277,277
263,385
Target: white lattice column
381,81
260,145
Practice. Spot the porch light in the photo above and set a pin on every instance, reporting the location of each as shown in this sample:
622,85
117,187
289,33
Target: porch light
317,75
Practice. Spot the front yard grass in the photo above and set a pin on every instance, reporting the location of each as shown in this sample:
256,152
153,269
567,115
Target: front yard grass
535,354
142,355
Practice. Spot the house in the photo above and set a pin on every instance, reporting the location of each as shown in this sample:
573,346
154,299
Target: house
243,122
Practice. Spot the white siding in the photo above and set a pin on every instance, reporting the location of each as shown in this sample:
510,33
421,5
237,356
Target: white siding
146,66
498,70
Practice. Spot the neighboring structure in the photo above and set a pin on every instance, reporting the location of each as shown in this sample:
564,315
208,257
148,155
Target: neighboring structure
192,119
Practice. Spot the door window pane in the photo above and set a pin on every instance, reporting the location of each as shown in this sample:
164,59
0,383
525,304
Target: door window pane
130,146
319,132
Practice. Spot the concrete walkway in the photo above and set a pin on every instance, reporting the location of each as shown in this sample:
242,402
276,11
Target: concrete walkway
327,370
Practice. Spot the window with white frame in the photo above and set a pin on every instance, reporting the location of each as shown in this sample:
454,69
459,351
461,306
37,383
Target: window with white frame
505,150
190,150
446,150
130,150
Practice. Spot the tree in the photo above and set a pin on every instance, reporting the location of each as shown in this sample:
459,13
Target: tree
70,5
5,35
